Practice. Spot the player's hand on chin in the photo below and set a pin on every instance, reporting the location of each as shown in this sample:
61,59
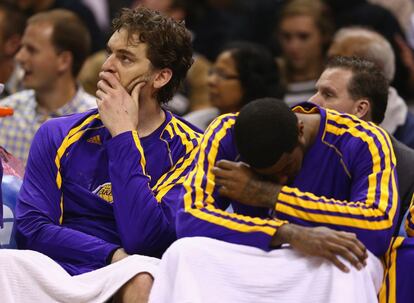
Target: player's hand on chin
118,109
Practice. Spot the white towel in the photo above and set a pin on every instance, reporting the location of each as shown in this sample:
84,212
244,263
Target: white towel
28,276
206,270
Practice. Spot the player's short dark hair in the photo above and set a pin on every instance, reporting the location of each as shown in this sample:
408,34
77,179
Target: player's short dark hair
265,129
367,82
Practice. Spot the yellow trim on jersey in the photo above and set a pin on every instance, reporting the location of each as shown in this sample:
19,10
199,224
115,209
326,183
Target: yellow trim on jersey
301,110
387,173
168,129
164,188
346,207
189,146
374,153
332,219
389,294
188,188
231,224
329,205
217,216
73,135
66,143
188,130
410,219
142,161
212,155
211,158
254,220
61,210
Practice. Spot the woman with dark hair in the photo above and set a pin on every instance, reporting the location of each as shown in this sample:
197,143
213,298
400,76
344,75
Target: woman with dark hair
242,72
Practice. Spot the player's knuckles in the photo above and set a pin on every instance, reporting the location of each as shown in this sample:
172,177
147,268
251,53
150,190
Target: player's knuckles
352,246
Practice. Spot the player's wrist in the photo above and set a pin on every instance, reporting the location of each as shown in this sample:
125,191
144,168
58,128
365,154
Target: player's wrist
269,192
118,255
120,130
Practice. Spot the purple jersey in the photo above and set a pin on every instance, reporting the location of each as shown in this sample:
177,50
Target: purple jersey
399,272
85,193
347,182
409,223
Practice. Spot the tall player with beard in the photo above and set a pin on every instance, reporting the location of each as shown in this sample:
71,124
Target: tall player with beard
102,185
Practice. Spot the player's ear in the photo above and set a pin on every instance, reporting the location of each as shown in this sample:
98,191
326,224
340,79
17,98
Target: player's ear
162,77
301,127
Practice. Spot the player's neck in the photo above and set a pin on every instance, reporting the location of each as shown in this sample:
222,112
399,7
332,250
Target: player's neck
151,117
311,127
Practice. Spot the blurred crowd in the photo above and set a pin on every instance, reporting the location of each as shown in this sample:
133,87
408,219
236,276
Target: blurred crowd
354,56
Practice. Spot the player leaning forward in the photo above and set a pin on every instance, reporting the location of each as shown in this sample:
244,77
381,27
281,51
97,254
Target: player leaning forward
316,180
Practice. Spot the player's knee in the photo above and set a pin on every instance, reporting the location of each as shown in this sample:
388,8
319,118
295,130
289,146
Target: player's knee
135,290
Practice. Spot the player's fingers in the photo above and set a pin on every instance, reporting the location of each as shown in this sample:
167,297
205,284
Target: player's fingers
100,94
111,79
356,246
347,254
136,90
226,164
220,172
337,263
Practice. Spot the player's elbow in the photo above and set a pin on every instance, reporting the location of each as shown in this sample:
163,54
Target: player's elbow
152,243
377,242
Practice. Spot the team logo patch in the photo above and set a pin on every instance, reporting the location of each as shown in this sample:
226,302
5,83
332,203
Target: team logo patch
104,191
95,140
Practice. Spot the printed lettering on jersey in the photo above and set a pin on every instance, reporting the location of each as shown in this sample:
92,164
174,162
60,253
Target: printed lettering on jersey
104,191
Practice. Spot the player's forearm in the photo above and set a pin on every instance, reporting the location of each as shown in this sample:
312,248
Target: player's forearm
77,252
283,235
226,227
374,227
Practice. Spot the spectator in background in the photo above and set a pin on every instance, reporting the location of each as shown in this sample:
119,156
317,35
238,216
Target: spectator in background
363,13
402,10
215,23
54,46
304,32
242,72
100,10
12,23
367,44
176,9
31,7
